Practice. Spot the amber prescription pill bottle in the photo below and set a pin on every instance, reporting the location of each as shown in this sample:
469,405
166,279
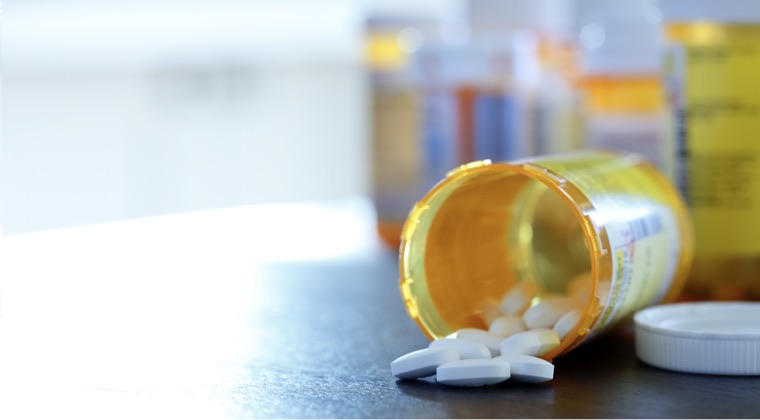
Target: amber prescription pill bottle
488,227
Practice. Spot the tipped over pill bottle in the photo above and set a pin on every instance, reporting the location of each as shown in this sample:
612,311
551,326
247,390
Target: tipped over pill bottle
605,229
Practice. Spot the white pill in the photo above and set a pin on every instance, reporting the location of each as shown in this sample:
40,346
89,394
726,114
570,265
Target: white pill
524,368
489,310
473,372
421,363
467,349
580,286
603,292
517,299
546,313
481,336
507,325
566,323
533,342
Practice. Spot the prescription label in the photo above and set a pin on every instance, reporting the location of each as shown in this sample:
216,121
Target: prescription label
715,98
642,230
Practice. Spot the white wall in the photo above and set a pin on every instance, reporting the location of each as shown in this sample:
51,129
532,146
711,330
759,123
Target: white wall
116,110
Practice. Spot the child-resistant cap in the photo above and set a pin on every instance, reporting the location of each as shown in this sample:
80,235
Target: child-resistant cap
718,338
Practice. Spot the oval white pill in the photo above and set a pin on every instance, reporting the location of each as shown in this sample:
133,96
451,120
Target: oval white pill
524,368
603,292
507,325
566,323
533,342
580,286
473,372
467,349
546,313
481,336
421,363
517,299
489,310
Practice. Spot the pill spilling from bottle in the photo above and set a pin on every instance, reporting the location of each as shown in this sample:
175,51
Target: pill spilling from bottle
510,349
572,244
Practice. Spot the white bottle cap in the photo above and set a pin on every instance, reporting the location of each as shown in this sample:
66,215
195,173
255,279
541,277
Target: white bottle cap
719,338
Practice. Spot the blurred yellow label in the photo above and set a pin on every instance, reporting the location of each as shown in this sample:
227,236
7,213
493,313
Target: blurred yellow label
384,53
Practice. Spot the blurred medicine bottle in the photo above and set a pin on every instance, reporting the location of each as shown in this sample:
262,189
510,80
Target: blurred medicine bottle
461,86
623,96
711,73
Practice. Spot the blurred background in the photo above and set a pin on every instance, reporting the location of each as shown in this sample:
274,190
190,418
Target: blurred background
115,110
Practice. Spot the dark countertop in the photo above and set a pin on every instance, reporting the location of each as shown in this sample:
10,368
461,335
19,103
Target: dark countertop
186,325
352,319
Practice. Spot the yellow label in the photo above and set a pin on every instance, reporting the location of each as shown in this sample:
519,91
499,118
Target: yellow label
384,53
644,241
719,134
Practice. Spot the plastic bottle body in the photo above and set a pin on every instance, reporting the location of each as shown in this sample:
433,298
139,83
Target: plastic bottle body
714,61
489,227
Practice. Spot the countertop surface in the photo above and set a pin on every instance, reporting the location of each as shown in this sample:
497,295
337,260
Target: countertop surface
286,312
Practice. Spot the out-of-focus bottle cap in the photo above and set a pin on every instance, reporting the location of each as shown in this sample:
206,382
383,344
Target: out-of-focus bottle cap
719,338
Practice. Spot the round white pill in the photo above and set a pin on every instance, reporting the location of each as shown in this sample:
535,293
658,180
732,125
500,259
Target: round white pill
524,368
473,372
421,363
533,342
546,313
566,323
467,349
481,336
507,325
517,299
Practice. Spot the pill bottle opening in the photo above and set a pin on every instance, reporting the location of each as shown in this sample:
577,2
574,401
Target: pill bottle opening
482,231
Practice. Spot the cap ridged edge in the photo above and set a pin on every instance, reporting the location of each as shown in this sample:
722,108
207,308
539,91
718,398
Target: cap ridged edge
694,352
735,357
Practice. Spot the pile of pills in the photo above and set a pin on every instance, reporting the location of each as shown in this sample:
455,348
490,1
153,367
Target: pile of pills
518,335
462,362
